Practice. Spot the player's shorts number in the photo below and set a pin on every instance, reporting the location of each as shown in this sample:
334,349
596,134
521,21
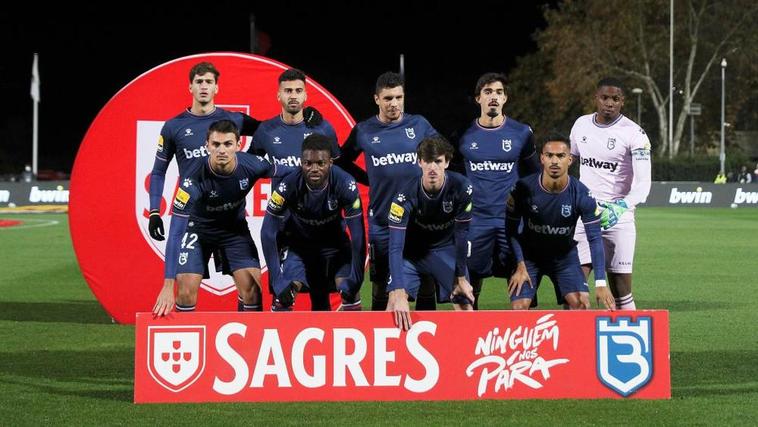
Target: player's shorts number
188,241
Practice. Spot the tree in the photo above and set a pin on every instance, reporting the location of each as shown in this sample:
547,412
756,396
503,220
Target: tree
587,39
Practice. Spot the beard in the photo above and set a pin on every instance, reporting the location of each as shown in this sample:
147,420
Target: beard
493,112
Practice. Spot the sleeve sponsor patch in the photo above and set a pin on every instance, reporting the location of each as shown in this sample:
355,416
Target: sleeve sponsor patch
469,206
276,202
641,154
396,213
357,203
182,197
160,144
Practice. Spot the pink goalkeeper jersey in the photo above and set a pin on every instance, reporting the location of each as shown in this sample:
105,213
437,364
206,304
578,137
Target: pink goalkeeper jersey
614,158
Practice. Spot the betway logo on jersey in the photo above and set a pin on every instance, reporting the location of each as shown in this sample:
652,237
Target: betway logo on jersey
489,165
597,164
393,159
196,153
434,227
345,356
291,161
225,207
690,197
549,229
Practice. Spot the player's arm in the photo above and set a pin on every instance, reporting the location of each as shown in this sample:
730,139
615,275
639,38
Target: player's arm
512,220
400,212
460,229
183,203
249,125
529,160
354,219
591,220
350,151
642,170
163,155
335,151
255,142
275,214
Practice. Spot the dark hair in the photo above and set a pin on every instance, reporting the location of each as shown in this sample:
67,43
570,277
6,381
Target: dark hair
317,142
612,82
389,80
556,137
488,78
291,74
201,68
223,126
432,147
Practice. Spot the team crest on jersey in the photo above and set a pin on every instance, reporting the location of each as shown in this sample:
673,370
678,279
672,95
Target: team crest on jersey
624,353
611,143
410,133
566,210
277,140
183,257
244,183
176,355
332,204
447,206
507,145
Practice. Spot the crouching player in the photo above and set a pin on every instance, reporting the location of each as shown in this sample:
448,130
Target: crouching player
428,223
209,210
550,203
321,256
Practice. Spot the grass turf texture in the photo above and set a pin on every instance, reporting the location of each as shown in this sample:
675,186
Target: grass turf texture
62,361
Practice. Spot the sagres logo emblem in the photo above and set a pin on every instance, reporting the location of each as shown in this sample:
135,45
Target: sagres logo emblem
624,353
176,355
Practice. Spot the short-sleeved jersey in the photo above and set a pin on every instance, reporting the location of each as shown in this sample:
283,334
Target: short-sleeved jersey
430,219
283,142
549,218
491,157
390,154
316,218
606,152
218,201
184,137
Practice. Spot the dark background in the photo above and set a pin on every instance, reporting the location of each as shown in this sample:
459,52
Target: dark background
88,54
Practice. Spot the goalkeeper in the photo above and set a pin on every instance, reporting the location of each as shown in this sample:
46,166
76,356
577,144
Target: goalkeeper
614,157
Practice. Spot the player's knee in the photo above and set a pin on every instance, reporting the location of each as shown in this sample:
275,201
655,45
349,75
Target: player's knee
521,304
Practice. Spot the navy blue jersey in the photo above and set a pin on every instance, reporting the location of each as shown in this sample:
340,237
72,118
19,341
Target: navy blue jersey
549,218
390,154
430,220
282,143
218,201
316,215
491,158
184,137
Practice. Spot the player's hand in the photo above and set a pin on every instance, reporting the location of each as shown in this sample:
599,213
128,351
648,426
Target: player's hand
398,303
518,278
312,117
463,294
155,226
166,299
605,298
611,213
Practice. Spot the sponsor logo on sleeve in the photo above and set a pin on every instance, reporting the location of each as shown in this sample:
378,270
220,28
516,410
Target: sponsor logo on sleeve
357,203
182,197
276,201
160,144
396,213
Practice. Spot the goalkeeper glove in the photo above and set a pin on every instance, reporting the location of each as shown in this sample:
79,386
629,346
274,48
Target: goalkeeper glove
312,117
155,226
611,213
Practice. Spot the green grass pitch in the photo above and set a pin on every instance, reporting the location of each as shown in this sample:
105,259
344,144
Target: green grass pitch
62,360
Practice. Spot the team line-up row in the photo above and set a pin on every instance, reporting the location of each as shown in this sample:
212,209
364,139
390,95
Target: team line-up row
441,216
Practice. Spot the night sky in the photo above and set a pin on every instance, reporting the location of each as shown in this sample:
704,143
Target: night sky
87,56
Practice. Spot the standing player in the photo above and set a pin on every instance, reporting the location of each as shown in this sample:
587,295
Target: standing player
496,150
389,142
320,255
429,220
184,137
549,204
209,211
614,155
280,138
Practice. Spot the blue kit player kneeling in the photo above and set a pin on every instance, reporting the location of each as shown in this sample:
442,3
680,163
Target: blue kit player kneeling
209,209
321,256
428,221
550,203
